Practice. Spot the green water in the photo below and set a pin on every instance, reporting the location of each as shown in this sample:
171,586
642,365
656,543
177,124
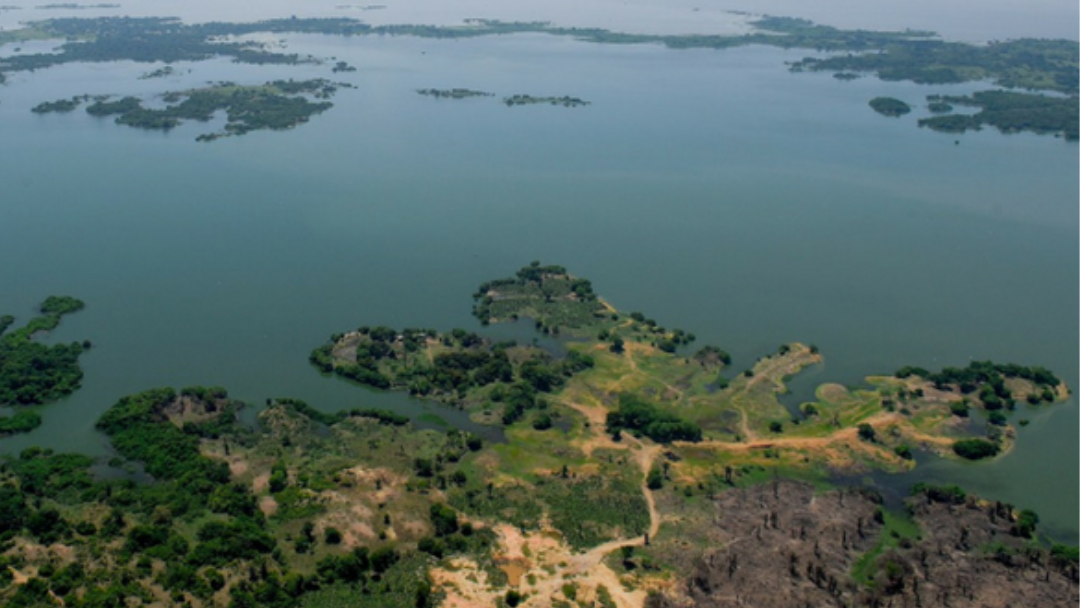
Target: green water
713,190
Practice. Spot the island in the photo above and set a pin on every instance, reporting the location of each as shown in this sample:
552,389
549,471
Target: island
60,106
453,93
162,72
889,106
277,105
530,100
624,467
33,374
1008,112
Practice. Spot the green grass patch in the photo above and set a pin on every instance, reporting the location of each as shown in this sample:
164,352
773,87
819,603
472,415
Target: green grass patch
897,528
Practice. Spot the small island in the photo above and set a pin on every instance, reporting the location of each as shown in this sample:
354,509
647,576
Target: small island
162,72
60,106
453,93
889,106
529,100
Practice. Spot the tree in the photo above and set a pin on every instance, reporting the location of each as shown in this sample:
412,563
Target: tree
655,479
444,519
975,449
332,536
1025,523
776,426
617,346
867,433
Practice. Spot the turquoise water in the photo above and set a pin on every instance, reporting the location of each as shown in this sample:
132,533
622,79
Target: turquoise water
713,190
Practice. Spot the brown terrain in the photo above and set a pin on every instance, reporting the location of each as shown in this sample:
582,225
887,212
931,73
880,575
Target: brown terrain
781,545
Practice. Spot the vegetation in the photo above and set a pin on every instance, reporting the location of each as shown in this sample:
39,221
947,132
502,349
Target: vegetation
976,449
276,105
548,294
32,373
889,106
1008,112
22,421
61,106
635,414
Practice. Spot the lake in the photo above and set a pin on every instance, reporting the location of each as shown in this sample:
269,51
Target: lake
713,190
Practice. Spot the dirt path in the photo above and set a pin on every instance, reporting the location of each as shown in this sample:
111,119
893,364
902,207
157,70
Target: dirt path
590,567
587,570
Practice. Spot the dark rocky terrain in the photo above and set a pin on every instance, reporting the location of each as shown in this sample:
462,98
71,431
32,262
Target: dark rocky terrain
782,545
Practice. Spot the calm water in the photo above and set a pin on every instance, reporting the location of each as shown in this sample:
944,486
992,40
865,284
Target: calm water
713,190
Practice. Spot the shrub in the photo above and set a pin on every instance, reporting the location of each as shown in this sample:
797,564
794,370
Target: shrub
975,449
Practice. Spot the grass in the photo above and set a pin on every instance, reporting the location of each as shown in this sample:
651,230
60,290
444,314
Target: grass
897,528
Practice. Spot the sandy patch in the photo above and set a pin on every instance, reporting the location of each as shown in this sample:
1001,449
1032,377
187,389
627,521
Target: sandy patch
261,483
268,505
238,467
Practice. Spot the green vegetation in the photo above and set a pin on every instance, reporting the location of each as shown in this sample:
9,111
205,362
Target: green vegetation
976,449
636,414
1023,63
32,373
951,494
897,529
22,421
548,294
276,105
889,106
457,367
1008,112
198,529
987,381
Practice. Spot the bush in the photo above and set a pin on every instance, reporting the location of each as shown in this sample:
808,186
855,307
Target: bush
946,494
867,432
332,536
975,449
662,427
655,480
959,408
